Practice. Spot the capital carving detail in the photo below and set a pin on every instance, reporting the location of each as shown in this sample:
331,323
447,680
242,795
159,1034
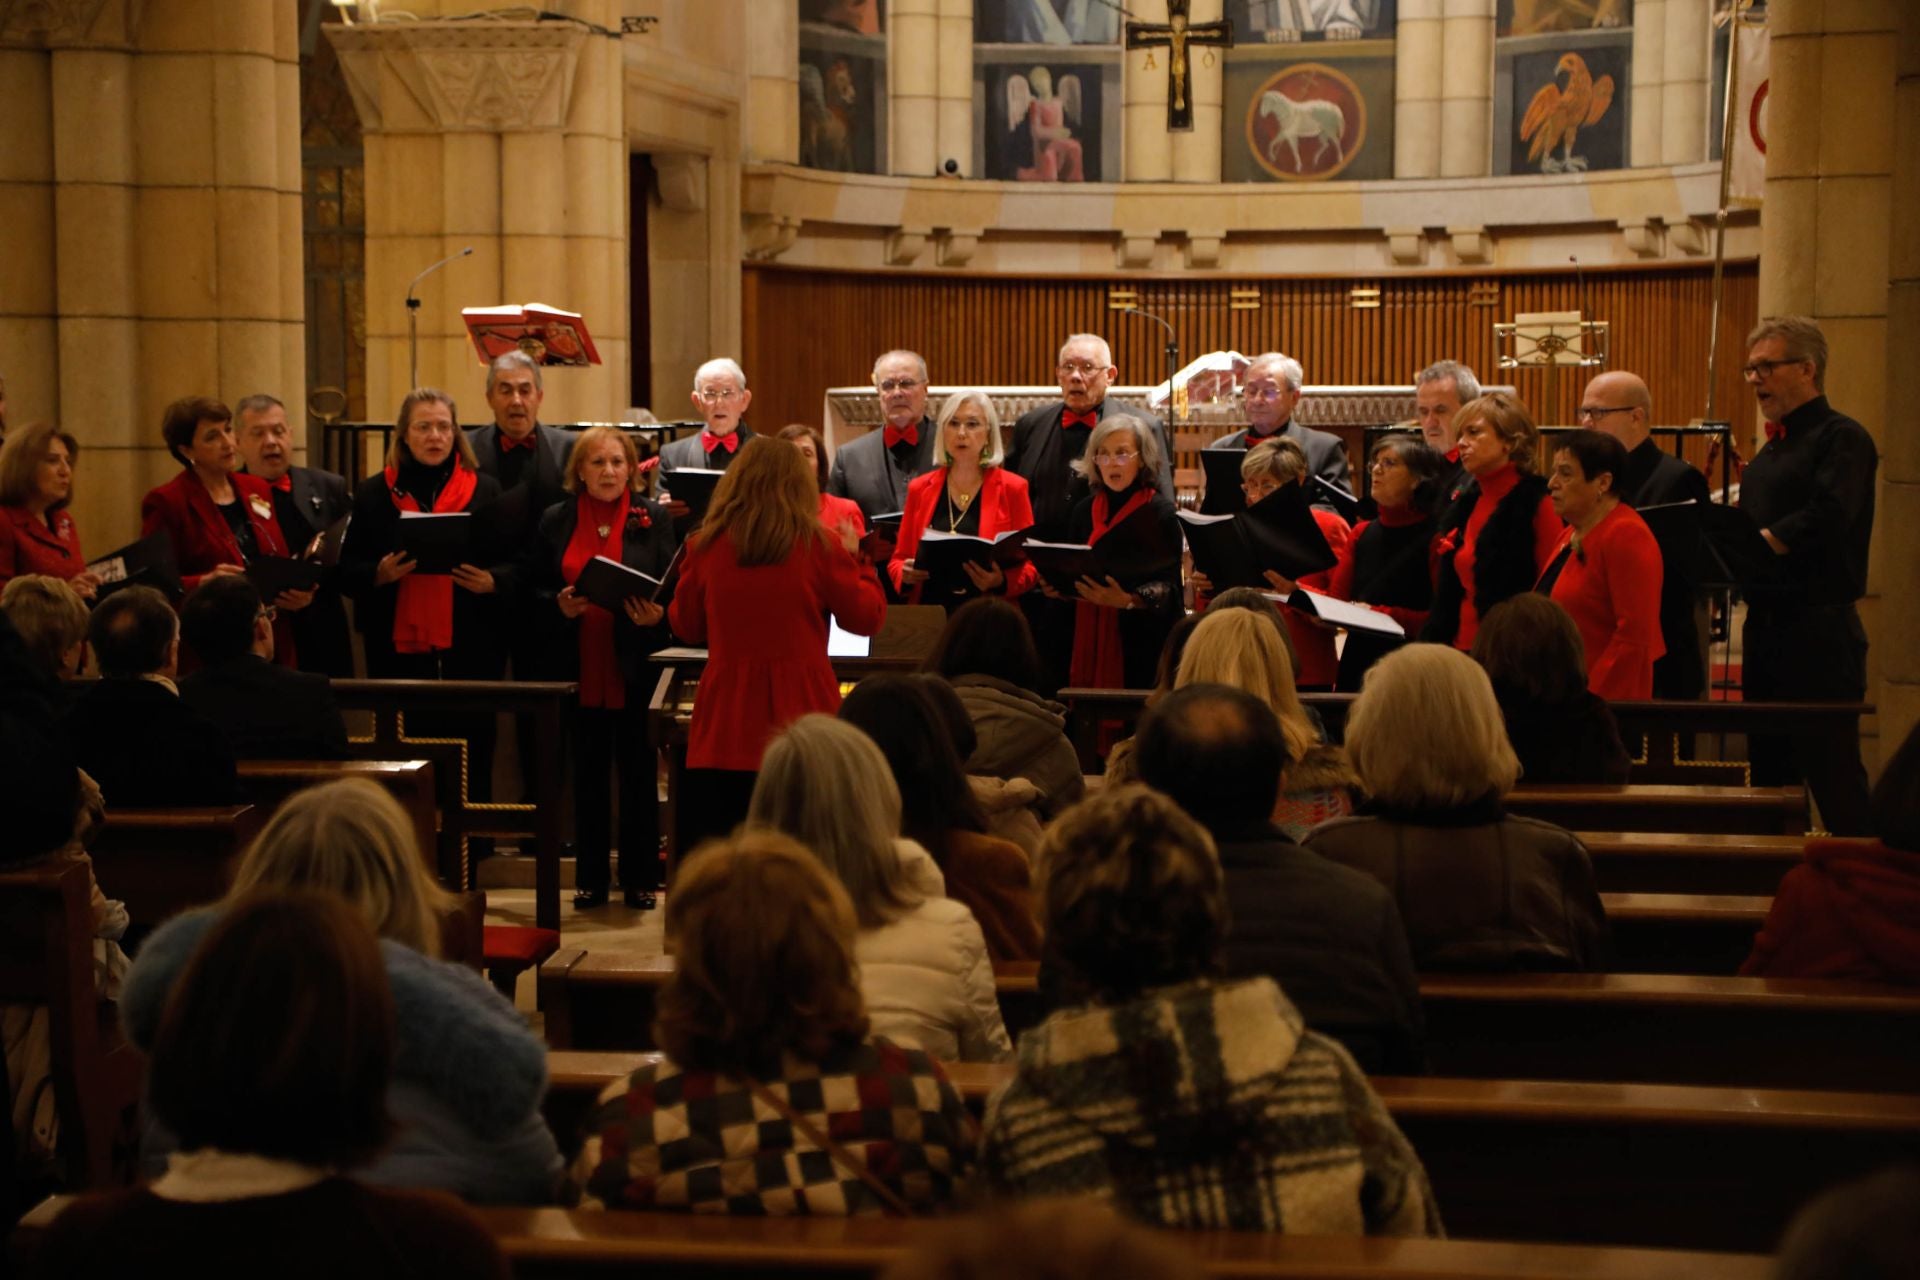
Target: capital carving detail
54,24
489,76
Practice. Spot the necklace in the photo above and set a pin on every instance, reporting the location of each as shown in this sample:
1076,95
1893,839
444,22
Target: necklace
961,502
603,529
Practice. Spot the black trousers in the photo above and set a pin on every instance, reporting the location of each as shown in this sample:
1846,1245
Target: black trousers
609,745
711,803
1810,653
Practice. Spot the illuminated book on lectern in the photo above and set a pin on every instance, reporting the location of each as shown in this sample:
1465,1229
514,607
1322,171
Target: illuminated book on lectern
546,335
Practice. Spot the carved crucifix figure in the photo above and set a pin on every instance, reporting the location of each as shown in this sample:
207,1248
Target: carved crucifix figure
1178,37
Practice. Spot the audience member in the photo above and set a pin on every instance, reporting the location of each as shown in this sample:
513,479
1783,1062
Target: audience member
1082,1238
130,730
1561,730
37,532
1013,807
990,877
1606,571
1852,908
923,960
35,758
1388,564
468,1076
52,621
271,1061
764,1016
1866,1229
1478,888
1185,1099
987,654
1330,936
267,712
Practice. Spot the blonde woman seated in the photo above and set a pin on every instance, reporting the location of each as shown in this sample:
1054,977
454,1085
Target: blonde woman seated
924,967
1478,888
1185,1099
763,1023
468,1076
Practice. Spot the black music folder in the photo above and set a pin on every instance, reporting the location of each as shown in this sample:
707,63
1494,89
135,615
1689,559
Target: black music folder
148,562
610,584
438,541
271,575
1223,494
883,534
1278,533
1341,501
943,554
693,486
1134,551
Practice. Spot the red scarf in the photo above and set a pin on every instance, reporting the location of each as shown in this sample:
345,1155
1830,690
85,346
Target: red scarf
1098,662
423,614
600,682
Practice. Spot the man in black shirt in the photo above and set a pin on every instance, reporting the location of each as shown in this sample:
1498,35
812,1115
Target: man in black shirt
1810,490
1619,404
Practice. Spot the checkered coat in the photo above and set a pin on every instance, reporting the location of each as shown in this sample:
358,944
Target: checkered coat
668,1138
1205,1105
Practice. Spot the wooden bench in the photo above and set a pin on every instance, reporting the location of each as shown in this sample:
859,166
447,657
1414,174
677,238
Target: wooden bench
1671,1165
162,861
1645,862
1750,810
1682,932
270,783
569,1244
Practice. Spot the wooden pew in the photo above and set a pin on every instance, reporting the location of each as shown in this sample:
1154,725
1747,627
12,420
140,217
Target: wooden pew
1682,932
1753,810
1670,1165
162,861
570,1244
1645,862
269,783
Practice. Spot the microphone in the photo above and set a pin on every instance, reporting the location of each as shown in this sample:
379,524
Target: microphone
413,317
1173,350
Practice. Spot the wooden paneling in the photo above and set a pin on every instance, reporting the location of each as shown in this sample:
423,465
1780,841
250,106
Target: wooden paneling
809,330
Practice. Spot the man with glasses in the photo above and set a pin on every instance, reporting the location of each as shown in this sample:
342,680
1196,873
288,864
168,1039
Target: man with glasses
720,395
874,470
1438,392
1048,440
516,448
1619,404
1810,490
1270,392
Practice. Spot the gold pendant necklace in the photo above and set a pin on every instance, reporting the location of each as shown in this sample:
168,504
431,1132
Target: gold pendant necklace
962,501
603,529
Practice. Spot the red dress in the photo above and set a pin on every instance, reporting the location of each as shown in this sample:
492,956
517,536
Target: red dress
202,540
29,545
765,629
1547,528
1850,910
1614,597
1003,503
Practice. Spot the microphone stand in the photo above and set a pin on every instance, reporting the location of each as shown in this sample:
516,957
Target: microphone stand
1173,361
413,317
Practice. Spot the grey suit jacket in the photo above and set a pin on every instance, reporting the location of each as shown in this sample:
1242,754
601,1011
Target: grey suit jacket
550,462
1326,453
865,470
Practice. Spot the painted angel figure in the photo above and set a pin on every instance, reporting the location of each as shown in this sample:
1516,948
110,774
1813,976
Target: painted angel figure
1050,122
1283,21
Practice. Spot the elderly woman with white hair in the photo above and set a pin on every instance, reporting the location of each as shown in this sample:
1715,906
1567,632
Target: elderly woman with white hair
967,493
1478,888
924,967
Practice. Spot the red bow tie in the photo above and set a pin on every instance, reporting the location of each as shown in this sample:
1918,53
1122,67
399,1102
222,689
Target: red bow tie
729,441
910,433
1068,418
508,444
284,484
1775,431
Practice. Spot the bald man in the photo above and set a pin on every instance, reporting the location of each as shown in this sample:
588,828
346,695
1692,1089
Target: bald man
1618,403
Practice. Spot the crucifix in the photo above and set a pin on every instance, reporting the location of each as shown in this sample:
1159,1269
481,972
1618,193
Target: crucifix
1177,37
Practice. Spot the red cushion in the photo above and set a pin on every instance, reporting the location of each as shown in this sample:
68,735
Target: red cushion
517,944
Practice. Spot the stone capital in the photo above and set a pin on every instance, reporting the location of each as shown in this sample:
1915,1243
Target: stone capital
1407,245
1135,249
486,75
1643,236
768,235
1471,244
906,244
68,24
955,246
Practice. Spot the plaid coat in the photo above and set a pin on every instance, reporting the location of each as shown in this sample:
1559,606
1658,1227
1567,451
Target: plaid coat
1205,1105
669,1138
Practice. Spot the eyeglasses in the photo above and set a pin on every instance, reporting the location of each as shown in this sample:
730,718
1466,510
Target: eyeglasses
1260,391
268,612
715,397
897,384
1759,370
966,424
1085,368
1601,411
1119,458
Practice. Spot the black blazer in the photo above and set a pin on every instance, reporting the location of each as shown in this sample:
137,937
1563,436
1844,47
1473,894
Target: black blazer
148,749
549,468
479,642
1143,632
866,471
1039,452
268,712
1655,476
320,633
649,549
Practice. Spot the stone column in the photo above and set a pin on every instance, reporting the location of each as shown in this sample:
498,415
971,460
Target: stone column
1683,106
1148,147
954,85
773,84
913,58
1419,74
1897,535
1649,81
1827,233
509,137
1466,89
150,189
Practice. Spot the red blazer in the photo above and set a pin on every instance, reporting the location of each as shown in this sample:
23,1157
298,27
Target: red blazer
27,545
765,629
1003,505
1850,910
835,512
202,541
1614,597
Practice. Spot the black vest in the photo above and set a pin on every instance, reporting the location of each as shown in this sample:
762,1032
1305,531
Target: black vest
1503,563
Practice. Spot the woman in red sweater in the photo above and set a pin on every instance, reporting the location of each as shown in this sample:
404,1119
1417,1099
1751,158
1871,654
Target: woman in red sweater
1606,568
37,533
1502,531
834,512
967,492
757,585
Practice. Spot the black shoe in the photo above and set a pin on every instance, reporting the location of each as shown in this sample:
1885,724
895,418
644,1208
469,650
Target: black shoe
587,899
637,900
